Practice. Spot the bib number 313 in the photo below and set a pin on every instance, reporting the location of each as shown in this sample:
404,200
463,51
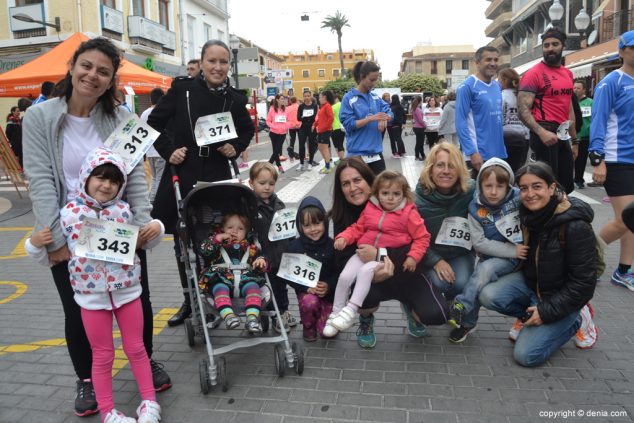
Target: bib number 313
300,268
131,140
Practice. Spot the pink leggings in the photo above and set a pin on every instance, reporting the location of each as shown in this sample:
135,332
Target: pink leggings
355,270
98,324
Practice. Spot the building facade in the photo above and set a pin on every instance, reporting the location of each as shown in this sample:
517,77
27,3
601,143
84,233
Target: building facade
311,71
500,12
450,64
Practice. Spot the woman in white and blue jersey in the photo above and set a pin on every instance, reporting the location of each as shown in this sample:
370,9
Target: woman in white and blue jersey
612,152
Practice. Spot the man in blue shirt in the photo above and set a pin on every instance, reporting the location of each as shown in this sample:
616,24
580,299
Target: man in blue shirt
45,92
479,111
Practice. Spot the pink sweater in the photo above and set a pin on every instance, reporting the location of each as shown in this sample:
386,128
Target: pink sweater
273,120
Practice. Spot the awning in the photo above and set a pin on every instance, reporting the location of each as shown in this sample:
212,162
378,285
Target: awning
521,69
581,71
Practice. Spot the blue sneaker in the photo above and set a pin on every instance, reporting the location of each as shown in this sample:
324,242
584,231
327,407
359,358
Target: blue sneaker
415,329
365,333
623,279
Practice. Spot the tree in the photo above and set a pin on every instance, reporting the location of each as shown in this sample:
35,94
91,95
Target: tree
335,24
340,86
415,82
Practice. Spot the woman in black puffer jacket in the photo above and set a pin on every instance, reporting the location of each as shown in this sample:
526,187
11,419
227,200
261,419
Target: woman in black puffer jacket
559,273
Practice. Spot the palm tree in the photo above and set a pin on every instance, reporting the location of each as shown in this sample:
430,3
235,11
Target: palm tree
336,24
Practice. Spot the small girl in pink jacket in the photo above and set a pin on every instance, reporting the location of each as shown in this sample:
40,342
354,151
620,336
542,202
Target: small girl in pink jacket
390,220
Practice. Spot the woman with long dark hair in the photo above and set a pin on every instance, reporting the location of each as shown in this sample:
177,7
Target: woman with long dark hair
419,128
516,135
58,135
395,128
323,126
277,121
14,132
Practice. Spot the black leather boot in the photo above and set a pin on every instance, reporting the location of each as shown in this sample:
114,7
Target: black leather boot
183,313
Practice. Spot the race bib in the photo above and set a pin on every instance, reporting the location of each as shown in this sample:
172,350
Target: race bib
107,241
371,158
562,131
280,119
509,227
308,113
300,268
215,128
454,231
586,111
283,225
131,140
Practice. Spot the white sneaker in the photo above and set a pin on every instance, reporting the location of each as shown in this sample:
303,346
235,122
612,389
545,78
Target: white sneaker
345,318
329,329
290,319
148,412
588,333
300,168
115,416
310,167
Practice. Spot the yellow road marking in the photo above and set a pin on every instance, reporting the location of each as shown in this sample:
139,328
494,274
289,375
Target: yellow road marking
160,321
19,250
16,228
20,289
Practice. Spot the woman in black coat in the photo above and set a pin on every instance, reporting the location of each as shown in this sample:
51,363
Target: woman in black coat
175,116
395,127
559,274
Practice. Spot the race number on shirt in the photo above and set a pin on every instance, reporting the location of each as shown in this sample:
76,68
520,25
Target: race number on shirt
509,227
563,131
280,119
283,225
308,113
131,140
454,231
215,128
107,241
586,111
300,268
371,158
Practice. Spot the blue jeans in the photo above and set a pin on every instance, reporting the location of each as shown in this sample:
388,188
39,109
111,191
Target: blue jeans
463,268
486,271
535,344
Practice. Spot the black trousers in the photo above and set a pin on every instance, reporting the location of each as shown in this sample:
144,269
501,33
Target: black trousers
280,291
277,141
558,156
306,135
582,159
419,149
432,138
396,139
76,340
517,151
292,134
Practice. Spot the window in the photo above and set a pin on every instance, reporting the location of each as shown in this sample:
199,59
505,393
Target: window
419,66
191,40
27,2
138,8
335,73
305,73
207,35
572,9
322,73
163,6
523,44
109,3
448,66
434,67
329,57
221,36
465,65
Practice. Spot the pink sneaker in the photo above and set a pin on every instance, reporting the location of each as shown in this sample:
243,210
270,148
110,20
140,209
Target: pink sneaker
243,165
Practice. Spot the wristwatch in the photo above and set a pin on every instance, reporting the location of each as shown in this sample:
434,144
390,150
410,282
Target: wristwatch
595,158
574,141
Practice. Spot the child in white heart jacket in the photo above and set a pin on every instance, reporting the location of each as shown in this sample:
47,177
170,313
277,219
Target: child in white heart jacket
103,289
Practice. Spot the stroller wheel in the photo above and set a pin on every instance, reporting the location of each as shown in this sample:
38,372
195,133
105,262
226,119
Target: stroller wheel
280,360
189,331
221,366
265,322
203,372
298,354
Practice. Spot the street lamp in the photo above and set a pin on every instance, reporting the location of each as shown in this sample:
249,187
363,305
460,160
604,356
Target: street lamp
556,12
234,43
26,18
582,21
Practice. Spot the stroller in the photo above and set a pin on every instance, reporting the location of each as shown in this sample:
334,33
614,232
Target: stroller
198,212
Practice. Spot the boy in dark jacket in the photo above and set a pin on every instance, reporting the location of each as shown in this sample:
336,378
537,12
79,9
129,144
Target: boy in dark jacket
315,304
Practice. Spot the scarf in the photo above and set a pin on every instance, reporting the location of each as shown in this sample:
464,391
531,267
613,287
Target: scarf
14,120
221,90
535,221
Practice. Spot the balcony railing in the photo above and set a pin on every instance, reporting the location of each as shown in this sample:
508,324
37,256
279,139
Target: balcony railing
500,23
616,24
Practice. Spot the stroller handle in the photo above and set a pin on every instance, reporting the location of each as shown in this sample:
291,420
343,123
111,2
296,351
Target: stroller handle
234,165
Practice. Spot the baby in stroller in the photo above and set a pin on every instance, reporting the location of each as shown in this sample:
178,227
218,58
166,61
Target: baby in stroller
235,265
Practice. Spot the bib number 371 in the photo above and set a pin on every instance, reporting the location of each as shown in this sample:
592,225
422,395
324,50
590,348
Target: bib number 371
214,128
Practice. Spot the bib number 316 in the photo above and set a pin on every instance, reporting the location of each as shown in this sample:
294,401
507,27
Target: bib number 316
300,268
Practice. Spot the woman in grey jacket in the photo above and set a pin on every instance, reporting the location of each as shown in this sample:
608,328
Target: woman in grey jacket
447,127
58,134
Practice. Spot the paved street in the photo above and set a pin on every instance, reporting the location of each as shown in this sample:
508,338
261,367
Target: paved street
403,380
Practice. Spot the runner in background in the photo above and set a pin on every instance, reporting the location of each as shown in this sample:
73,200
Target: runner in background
338,136
585,102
